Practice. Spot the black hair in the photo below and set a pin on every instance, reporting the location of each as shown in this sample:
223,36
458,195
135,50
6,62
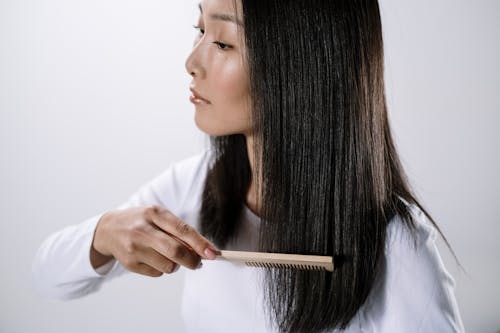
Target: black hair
331,176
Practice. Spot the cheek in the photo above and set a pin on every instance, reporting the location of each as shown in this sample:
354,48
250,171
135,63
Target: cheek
231,85
230,112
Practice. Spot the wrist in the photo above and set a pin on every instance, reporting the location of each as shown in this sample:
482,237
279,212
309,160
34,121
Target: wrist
99,255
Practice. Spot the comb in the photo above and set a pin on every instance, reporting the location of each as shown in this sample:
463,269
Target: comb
277,260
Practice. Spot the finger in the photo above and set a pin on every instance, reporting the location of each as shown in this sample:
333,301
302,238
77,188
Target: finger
170,223
148,270
173,249
144,269
158,262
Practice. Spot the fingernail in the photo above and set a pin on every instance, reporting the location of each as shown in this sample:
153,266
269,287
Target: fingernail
210,253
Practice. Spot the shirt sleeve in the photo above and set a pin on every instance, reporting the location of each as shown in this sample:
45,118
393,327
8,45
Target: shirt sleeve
417,292
61,267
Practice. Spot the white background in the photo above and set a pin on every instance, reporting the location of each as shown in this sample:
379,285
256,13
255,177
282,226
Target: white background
94,103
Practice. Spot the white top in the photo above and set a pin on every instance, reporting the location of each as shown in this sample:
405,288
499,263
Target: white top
415,293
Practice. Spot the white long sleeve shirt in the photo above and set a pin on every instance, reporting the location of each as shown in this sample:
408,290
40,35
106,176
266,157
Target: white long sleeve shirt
414,293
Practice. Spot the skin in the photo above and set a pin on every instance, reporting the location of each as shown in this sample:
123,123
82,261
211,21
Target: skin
151,240
219,74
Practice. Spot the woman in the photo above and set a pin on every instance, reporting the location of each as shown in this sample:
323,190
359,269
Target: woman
302,160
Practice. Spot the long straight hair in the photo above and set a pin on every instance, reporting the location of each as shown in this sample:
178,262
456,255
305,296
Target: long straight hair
331,176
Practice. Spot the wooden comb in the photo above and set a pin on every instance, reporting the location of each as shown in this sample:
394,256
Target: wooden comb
277,260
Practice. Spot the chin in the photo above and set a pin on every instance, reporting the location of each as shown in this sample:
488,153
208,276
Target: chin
212,128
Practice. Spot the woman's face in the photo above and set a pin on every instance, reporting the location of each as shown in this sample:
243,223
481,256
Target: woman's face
216,64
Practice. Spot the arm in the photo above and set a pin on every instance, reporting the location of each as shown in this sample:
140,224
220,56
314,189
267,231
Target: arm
67,266
97,259
61,268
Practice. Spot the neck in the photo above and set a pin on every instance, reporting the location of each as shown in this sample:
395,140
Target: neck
251,198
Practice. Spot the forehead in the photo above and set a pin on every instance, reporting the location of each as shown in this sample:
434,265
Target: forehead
221,6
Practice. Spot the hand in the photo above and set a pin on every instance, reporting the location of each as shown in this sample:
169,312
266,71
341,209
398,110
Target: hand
149,241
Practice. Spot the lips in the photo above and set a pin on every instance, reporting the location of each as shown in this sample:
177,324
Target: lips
196,98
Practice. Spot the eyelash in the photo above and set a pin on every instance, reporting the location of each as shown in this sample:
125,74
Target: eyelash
221,46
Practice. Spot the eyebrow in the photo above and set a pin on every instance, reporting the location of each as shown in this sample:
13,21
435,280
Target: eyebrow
222,17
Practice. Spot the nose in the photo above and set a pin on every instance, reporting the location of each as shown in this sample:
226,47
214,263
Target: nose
193,64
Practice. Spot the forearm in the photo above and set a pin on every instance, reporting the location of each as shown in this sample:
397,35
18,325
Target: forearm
61,268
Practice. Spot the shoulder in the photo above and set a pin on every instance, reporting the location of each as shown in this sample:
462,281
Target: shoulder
184,178
402,238
187,170
176,187
414,251
194,163
415,291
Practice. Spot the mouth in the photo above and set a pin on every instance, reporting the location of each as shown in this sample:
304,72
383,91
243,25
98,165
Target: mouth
196,98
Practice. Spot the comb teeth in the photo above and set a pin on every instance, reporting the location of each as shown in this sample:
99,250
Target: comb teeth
278,260
278,265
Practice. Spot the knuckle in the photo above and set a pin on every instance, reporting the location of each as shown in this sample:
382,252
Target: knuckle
167,248
182,228
178,251
129,264
153,211
167,267
149,212
133,230
130,248
156,209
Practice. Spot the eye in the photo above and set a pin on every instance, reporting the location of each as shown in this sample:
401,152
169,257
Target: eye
200,29
222,46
